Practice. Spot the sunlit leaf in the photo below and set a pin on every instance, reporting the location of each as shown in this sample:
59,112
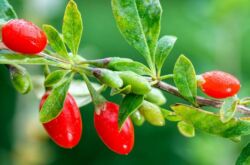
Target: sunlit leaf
133,66
170,115
56,41
163,49
211,123
186,129
129,105
53,105
185,79
11,58
72,27
125,90
228,109
55,77
139,23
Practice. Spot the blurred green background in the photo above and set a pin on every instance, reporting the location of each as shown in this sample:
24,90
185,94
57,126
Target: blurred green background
215,34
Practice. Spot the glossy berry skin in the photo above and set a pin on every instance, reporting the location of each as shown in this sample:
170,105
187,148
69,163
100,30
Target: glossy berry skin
218,84
66,129
106,124
23,37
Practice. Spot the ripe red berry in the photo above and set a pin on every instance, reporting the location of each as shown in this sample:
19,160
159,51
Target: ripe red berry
23,37
106,124
66,129
218,84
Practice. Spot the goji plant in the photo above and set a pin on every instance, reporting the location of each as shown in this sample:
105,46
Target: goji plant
140,85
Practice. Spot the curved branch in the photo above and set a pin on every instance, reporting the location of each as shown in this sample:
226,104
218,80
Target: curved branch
200,100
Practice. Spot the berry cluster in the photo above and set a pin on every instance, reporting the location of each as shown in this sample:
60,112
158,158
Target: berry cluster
66,129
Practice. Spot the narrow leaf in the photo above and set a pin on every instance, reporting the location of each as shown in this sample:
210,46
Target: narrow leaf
244,158
56,41
170,115
133,66
72,27
11,58
228,109
163,49
186,129
129,105
185,79
7,12
55,77
55,101
211,123
139,23
124,90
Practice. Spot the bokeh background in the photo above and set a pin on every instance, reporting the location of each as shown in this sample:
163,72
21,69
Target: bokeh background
215,34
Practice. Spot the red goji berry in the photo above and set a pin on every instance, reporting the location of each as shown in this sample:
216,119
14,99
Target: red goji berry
218,84
66,129
106,124
23,37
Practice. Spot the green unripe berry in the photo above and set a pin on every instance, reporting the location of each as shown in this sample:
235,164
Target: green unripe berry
152,113
139,85
156,96
20,79
108,77
137,118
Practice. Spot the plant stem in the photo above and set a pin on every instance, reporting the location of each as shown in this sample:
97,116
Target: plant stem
166,77
201,101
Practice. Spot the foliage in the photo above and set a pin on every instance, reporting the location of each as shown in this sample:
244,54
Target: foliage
139,22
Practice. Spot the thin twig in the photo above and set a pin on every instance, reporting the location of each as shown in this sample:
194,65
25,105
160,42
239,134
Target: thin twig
200,100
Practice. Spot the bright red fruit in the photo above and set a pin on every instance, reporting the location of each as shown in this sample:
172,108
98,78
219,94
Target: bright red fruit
23,37
66,129
106,124
218,84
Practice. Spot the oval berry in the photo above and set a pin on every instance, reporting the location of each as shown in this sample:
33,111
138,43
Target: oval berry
106,124
218,84
23,37
66,129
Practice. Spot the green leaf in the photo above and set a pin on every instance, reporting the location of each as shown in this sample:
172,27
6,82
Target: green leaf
186,129
133,66
11,58
129,105
163,49
55,101
124,90
72,27
211,123
228,109
152,113
244,158
56,41
55,77
185,79
7,12
20,78
139,23
170,115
